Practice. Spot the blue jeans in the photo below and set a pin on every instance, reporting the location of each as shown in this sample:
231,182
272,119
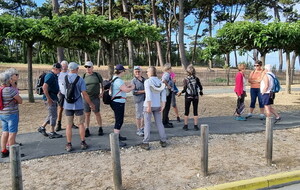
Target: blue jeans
10,123
255,93
119,109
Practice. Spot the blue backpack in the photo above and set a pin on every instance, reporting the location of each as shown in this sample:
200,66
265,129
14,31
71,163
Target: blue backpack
276,84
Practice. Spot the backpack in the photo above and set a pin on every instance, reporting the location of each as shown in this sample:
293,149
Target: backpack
192,87
39,84
97,74
276,84
1,98
70,90
107,98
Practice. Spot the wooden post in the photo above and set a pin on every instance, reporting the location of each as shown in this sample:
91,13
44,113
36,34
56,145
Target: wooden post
204,149
116,164
15,165
269,139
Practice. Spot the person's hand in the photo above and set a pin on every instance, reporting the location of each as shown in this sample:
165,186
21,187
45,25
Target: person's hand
49,101
245,94
239,97
101,94
179,94
148,110
162,108
201,93
92,106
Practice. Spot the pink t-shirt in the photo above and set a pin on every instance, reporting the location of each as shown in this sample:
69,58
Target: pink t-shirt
172,75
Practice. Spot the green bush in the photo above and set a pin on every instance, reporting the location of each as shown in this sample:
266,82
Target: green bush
219,80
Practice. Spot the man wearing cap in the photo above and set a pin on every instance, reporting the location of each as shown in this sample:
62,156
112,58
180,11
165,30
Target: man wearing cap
119,90
138,97
51,89
93,81
76,108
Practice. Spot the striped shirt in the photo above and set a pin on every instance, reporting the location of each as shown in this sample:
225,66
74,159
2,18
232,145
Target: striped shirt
10,106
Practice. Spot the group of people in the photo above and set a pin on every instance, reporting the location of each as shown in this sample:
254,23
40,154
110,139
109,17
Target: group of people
261,85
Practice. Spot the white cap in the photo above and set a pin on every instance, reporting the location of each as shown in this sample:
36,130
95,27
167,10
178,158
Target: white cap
268,67
72,66
88,63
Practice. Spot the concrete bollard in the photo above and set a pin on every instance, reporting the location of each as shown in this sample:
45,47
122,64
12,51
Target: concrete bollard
116,164
15,165
269,139
204,149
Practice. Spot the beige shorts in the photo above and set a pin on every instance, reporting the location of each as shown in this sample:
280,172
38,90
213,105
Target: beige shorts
70,114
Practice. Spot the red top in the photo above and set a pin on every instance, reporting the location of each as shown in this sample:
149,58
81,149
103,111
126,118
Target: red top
239,83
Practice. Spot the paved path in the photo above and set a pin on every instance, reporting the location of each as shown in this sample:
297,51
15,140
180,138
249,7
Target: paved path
37,146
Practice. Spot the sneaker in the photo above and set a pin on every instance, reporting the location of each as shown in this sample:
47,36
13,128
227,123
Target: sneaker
168,125
185,127
277,120
121,138
145,146
240,118
83,145
249,115
178,119
100,131
43,131
163,144
122,144
54,135
5,154
196,128
58,127
140,132
69,147
87,132
74,126
261,116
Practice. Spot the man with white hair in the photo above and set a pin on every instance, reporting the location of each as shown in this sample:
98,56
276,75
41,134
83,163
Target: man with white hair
268,96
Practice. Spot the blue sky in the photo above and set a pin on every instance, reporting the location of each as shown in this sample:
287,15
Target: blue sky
271,58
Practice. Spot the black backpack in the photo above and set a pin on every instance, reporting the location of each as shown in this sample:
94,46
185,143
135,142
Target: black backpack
70,90
192,87
107,99
39,84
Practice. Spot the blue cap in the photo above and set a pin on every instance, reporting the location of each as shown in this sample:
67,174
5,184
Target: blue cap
120,67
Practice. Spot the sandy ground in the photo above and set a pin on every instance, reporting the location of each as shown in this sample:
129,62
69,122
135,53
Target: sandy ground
231,157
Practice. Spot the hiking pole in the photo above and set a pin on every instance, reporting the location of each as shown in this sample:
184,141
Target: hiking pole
269,139
116,164
15,164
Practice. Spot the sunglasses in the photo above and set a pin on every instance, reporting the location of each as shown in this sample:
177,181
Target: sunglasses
17,74
256,65
87,66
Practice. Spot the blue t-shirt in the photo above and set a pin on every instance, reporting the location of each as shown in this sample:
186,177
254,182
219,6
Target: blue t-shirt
116,88
53,88
80,86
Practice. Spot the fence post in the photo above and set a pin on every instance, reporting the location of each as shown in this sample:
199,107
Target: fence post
204,148
269,139
116,164
15,165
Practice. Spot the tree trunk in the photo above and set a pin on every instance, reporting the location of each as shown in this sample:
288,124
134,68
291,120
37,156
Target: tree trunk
196,39
293,61
255,55
129,42
29,74
288,74
60,50
158,46
263,58
280,60
148,52
210,64
184,61
235,58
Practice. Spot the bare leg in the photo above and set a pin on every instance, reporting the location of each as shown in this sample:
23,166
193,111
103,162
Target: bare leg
87,119
81,131
99,119
12,138
4,140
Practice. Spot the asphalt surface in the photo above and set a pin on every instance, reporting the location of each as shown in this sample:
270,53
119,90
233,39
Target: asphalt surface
35,145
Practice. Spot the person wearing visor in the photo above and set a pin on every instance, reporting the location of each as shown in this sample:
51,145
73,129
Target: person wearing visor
51,89
119,90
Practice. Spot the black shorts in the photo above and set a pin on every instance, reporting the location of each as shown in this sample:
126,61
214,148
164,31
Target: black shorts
61,100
